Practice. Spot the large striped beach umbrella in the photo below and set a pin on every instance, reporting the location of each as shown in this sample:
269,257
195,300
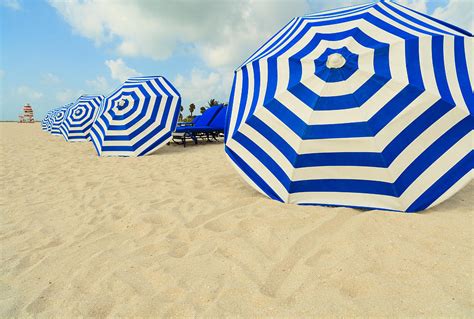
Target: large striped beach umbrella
79,118
58,118
138,118
368,106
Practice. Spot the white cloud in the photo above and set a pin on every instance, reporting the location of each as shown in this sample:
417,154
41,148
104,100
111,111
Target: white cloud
223,32
457,12
100,85
120,71
28,93
68,95
50,78
201,86
417,5
12,4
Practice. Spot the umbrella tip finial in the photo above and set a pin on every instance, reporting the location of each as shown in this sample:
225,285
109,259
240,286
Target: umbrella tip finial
335,61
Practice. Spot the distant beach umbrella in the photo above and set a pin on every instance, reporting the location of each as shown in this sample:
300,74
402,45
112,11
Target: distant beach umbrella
49,122
79,118
367,106
137,118
58,118
46,120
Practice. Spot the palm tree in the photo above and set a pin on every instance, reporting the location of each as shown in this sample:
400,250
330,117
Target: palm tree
192,107
213,102
180,117
203,109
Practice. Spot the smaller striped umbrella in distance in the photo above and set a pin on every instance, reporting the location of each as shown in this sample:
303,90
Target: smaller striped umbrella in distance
366,106
137,118
46,119
58,118
49,123
80,117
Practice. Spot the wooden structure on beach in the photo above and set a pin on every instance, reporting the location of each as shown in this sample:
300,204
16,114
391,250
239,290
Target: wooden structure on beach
27,115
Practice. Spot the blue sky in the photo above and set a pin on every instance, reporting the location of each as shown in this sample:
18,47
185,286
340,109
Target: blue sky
53,51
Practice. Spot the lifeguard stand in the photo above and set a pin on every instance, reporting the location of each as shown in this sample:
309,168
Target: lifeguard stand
27,116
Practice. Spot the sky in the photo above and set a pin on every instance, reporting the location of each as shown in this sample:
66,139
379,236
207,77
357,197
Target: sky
53,51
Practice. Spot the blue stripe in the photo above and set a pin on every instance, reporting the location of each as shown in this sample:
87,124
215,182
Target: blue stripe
433,152
409,175
443,184
263,157
252,175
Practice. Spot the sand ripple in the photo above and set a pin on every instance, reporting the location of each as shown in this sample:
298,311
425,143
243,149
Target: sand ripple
179,234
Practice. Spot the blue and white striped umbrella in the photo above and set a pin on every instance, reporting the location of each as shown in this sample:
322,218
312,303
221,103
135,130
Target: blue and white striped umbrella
49,123
368,106
138,118
47,119
80,117
58,118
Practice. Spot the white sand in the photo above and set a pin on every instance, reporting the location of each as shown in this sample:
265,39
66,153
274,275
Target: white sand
179,233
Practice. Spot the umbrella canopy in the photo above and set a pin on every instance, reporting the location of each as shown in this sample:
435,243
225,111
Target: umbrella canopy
368,106
58,118
80,117
49,122
47,119
137,118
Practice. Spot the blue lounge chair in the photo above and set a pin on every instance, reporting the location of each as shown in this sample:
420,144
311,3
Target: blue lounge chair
192,123
210,124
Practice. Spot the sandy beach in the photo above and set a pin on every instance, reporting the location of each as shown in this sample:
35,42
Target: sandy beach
179,234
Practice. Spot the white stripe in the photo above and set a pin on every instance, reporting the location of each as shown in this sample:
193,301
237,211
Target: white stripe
426,66
236,102
469,51
250,92
451,74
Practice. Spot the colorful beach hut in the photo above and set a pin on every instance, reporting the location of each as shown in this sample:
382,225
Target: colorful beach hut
27,115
